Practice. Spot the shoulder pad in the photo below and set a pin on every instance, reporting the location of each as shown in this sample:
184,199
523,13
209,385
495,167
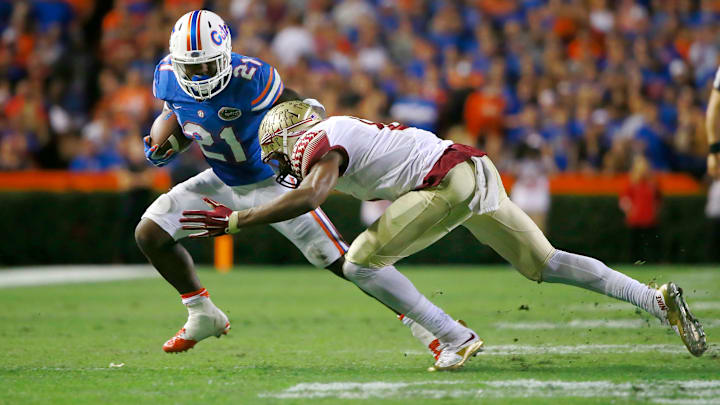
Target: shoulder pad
163,78
308,150
259,84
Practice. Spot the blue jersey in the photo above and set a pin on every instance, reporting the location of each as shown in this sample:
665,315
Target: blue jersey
226,125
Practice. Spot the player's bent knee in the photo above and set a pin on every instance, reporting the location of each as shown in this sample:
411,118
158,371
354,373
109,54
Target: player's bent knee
349,269
531,272
366,253
354,272
532,266
149,236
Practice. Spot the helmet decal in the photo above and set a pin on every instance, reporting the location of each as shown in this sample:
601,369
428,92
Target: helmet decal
194,40
216,37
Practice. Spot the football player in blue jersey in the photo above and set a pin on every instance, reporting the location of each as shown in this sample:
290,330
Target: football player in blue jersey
219,98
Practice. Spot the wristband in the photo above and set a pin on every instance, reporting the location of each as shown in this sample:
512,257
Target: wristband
232,223
715,147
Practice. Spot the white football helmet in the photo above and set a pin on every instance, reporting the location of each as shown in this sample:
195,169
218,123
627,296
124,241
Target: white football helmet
201,37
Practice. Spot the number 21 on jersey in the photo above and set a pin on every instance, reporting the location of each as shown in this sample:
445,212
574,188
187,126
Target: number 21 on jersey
204,138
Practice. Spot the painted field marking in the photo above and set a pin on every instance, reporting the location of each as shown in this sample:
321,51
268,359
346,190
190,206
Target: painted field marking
698,391
376,389
508,350
593,323
620,306
46,275
513,350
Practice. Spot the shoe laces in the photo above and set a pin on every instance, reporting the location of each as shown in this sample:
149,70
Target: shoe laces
177,335
447,350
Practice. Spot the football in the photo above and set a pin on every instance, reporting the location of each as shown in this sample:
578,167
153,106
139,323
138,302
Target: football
166,132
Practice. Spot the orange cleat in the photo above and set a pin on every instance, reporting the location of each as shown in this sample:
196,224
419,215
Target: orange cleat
204,320
181,342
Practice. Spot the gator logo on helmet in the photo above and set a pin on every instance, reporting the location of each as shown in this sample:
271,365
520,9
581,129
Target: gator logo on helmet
229,113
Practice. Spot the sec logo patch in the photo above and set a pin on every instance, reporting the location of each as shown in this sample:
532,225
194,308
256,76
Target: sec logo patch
229,113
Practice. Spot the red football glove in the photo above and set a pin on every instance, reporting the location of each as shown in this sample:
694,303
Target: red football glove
212,223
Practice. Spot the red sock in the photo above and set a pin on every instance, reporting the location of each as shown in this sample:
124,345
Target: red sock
193,296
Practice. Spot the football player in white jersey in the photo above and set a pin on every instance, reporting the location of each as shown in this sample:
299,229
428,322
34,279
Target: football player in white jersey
435,186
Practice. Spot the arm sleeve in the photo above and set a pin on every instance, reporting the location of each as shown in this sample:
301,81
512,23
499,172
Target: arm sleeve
267,87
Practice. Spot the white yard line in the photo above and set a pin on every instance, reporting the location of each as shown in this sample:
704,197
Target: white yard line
45,275
513,350
691,391
620,306
593,323
506,350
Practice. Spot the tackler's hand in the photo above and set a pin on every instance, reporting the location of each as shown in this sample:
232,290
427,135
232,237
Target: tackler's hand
219,221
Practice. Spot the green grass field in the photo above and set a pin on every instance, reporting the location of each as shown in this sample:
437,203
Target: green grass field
303,336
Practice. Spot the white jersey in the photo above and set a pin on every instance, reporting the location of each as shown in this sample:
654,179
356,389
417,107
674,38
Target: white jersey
384,161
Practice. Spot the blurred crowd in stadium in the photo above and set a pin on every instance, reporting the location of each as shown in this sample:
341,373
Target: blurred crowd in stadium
581,85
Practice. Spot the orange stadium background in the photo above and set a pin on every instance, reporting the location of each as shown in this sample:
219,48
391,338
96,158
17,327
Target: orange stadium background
589,119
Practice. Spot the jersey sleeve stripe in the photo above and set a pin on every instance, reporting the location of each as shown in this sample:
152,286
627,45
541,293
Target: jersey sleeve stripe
716,82
272,95
165,67
279,92
265,90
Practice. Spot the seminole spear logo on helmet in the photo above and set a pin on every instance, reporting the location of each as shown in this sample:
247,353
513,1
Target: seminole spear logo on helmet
279,131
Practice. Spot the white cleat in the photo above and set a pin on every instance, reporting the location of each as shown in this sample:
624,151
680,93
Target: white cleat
671,301
454,355
425,337
204,320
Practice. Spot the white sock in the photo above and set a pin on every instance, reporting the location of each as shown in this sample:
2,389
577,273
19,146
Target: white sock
198,303
393,289
592,274
426,338
204,318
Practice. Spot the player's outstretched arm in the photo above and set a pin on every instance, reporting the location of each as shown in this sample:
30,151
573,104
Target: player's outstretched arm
712,123
313,191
